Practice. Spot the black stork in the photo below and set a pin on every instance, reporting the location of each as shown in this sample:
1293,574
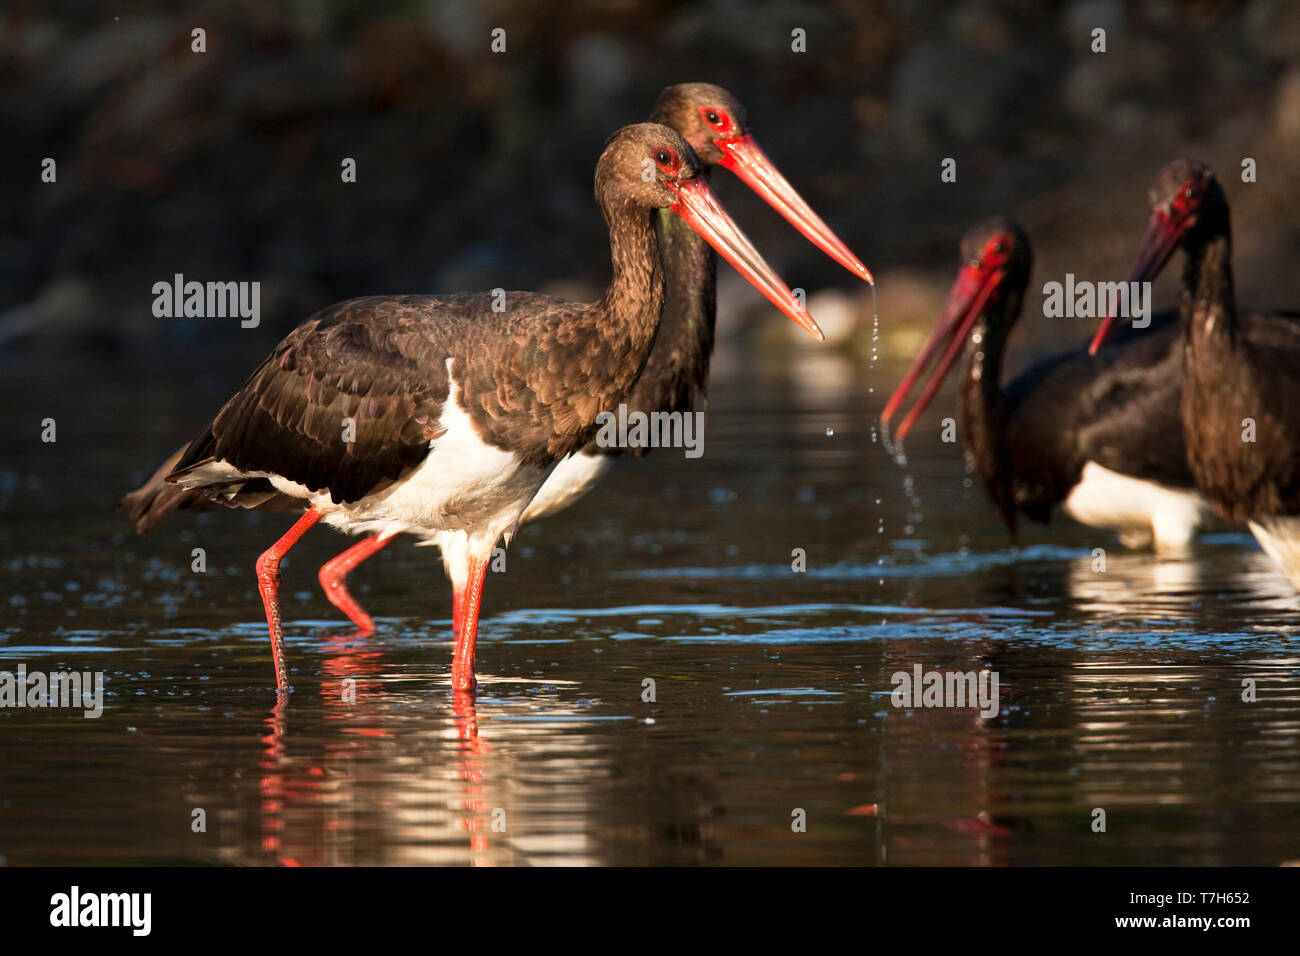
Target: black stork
1240,411
1097,435
440,417
714,122
675,377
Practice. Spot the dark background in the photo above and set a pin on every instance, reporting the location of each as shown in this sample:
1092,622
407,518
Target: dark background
475,169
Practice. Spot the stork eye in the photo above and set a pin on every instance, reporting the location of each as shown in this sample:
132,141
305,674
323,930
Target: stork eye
717,119
995,251
666,159
1187,199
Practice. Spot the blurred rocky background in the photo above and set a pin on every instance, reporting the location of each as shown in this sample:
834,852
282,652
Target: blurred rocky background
474,168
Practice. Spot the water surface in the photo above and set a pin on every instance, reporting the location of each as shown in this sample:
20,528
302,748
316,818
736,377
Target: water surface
1120,690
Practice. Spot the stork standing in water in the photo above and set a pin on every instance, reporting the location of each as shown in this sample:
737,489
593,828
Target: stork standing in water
440,417
675,377
1099,436
1241,391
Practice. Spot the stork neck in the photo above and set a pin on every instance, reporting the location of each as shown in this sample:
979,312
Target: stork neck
982,404
1207,301
629,313
691,274
678,366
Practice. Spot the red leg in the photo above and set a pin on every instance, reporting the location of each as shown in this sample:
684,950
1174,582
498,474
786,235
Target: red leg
268,583
462,660
334,574
457,610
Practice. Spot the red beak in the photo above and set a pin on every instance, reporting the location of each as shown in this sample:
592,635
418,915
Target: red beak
970,293
699,207
1161,239
742,156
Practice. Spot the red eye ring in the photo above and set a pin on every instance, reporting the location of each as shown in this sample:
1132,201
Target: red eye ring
1185,200
666,159
996,251
717,119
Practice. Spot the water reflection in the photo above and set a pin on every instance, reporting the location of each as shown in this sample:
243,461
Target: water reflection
1179,587
1121,690
385,766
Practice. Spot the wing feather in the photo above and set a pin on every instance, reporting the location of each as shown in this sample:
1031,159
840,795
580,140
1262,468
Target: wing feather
346,404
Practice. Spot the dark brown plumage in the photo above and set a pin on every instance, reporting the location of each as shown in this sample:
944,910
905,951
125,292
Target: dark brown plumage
442,415
532,378
1031,440
1241,396
533,395
1239,367
676,374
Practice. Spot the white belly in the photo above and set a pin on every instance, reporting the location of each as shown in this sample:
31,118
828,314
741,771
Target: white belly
464,485
1139,511
569,480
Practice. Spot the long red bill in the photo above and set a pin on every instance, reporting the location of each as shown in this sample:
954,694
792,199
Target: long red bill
1158,244
743,157
970,293
699,207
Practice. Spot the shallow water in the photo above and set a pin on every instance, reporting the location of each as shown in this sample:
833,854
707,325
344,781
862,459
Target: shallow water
1119,690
